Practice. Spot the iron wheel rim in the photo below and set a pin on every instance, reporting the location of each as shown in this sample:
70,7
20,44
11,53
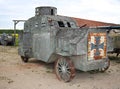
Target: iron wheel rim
64,69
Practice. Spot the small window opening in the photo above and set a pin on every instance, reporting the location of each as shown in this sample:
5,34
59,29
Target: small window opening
61,24
36,24
68,24
72,24
52,13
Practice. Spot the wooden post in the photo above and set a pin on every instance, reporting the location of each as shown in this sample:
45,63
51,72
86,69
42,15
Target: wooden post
15,23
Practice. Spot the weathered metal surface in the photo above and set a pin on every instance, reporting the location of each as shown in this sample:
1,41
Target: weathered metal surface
45,11
47,36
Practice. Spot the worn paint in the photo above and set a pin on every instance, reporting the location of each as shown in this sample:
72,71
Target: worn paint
96,46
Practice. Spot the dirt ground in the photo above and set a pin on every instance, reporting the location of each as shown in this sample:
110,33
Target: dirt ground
15,74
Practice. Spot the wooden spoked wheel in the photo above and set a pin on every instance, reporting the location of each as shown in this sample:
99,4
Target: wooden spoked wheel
64,69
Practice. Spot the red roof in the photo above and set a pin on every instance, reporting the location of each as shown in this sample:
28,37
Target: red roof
91,23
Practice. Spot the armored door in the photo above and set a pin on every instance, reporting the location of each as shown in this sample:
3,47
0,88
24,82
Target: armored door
27,44
27,39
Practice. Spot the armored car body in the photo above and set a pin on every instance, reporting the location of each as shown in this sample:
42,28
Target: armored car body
53,38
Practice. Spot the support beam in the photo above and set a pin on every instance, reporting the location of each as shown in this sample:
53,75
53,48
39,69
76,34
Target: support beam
15,23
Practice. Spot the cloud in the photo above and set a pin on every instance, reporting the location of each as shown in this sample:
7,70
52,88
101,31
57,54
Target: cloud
12,9
100,10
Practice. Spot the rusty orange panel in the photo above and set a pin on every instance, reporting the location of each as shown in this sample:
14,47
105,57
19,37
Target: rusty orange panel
91,23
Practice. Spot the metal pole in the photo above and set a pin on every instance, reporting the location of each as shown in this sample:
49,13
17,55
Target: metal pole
14,27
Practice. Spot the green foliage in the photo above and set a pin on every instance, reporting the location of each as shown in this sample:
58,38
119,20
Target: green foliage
9,31
16,42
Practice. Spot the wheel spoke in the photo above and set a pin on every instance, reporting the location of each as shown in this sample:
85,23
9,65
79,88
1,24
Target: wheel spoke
59,69
61,62
66,77
68,72
67,67
66,64
61,74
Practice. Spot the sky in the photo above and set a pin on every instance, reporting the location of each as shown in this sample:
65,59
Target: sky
98,10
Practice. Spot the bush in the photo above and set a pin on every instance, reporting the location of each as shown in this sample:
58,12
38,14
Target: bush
9,31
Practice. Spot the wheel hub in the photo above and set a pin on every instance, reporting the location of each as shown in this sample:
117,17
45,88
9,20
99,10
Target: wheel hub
63,69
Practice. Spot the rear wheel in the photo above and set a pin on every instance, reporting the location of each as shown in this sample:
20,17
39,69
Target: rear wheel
64,69
24,59
105,68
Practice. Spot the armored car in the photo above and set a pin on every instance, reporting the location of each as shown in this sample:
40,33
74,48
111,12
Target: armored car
57,39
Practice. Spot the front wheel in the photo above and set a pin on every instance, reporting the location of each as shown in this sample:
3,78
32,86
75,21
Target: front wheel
64,69
24,59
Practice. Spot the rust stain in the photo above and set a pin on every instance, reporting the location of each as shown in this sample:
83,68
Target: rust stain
91,23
